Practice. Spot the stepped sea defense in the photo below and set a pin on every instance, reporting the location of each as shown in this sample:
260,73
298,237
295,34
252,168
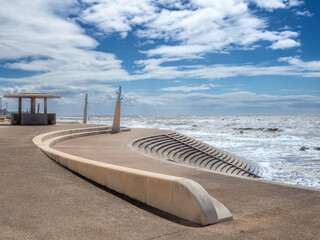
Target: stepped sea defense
179,148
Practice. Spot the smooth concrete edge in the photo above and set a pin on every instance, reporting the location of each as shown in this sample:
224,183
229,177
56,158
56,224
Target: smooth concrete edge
50,135
178,196
62,138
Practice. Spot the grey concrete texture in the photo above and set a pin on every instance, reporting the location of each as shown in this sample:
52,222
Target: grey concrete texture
261,210
180,197
42,200
39,199
179,148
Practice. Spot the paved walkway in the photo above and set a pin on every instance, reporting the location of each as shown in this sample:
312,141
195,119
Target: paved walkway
41,200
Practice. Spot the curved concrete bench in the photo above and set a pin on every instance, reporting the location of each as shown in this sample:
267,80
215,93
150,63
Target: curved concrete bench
178,196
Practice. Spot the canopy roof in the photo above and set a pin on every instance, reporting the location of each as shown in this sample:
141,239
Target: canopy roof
32,95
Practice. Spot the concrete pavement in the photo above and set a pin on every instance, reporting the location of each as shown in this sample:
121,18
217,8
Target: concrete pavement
41,200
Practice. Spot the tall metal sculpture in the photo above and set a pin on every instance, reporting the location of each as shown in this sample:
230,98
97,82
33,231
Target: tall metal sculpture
116,118
85,114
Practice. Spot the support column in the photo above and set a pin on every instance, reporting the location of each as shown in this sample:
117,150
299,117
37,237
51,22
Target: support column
33,105
45,106
20,106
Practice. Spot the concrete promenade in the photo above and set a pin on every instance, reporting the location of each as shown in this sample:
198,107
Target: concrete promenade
42,200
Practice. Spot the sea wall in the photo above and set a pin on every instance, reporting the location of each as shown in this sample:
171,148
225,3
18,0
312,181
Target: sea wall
178,196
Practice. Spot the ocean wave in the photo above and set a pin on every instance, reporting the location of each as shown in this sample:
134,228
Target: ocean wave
274,141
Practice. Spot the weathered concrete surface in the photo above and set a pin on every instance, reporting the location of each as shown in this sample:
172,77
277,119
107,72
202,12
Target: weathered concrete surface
41,200
180,197
261,210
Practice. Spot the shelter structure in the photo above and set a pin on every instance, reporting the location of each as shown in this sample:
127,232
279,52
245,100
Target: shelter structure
31,117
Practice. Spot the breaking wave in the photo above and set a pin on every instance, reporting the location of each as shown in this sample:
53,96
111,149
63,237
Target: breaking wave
287,146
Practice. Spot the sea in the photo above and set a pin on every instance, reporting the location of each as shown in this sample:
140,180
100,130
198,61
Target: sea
287,147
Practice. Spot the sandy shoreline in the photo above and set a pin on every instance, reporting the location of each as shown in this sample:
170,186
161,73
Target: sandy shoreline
68,204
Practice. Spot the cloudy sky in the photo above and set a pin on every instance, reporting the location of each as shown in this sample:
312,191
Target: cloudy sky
170,56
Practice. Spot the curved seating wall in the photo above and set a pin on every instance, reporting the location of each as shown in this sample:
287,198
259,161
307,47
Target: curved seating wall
178,196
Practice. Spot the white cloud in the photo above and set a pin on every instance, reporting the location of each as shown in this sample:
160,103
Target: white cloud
81,74
275,4
295,3
285,43
270,4
301,65
41,38
186,88
154,69
233,102
45,39
191,28
214,85
305,13
207,26
102,97
34,29
180,51
117,15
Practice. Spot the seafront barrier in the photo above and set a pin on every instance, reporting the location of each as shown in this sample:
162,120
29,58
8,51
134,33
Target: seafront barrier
178,196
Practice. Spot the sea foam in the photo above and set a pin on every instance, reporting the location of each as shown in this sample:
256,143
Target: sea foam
286,146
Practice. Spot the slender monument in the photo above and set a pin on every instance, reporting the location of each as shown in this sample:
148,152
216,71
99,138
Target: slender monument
85,115
116,118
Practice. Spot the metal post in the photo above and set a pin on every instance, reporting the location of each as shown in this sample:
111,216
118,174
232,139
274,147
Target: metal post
116,118
33,105
20,106
45,105
85,116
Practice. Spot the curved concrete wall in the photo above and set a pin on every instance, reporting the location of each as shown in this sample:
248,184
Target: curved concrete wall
178,196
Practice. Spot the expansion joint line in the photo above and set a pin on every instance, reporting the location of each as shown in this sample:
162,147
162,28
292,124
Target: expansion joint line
168,234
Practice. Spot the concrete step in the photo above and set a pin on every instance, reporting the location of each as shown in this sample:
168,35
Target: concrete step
180,148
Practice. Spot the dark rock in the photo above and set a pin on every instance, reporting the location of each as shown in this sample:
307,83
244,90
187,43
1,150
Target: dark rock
258,129
303,148
272,129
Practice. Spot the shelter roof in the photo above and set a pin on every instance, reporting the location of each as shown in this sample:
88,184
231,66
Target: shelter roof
32,95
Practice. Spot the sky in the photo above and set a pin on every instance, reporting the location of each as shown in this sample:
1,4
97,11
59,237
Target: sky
170,56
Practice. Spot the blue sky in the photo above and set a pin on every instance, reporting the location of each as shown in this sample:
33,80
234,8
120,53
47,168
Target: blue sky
170,56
